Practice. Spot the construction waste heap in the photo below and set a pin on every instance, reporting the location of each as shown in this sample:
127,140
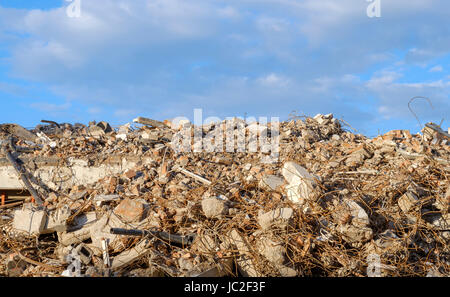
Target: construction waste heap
96,201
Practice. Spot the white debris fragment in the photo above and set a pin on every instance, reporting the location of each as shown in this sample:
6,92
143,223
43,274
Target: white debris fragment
301,182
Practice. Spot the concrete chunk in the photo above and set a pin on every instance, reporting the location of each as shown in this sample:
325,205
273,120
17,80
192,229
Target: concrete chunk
271,182
80,231
301,182
100,199
129,256
56,221
101,230
272,251
130,210
287,271
205,244
30,220
96,131
407,202
359,215
84,252
244,262
105,127
279,218
355,235
213,207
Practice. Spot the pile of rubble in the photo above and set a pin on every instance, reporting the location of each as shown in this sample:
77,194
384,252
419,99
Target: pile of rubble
101,201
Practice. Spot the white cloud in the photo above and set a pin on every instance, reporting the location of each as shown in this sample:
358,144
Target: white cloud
273,80
228,12
437,68
379,80
266,24
51,107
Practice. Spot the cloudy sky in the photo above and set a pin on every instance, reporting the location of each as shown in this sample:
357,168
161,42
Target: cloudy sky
162,58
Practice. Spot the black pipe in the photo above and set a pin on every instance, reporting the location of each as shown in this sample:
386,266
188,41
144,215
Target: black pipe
171,238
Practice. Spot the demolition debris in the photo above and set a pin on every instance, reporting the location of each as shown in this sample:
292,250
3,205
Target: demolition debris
97,200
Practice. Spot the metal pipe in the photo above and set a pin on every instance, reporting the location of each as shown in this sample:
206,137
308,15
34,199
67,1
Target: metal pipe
171,238
51,122
23,177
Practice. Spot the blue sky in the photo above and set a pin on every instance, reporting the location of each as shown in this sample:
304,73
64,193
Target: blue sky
162,58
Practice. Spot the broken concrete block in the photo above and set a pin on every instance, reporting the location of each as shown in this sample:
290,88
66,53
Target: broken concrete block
130,255
301,182
52,197
130,210
30,220
100,199
354,159
387,240
323,119
101,230
279,218
355,235
150,135
105,127
96,131
125,129
57,220
213,207
77,195
271,182
69,238
79,231
61,252
205,244
122,136
74,268
83,220
85,253
244,262
272,251
359,216
287,271
186,264
19,132
407,202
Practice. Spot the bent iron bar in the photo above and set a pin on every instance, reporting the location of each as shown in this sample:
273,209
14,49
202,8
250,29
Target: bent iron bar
185,240
21,172
51,122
